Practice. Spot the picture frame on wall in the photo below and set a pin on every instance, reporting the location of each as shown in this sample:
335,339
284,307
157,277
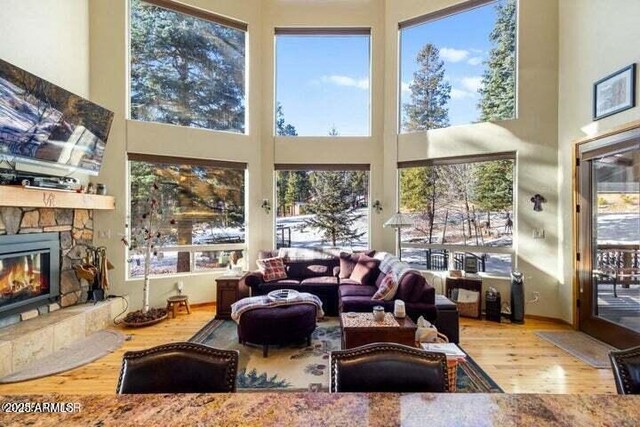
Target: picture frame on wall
614,93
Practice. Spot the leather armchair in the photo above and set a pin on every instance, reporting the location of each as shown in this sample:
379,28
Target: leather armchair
388,367
626,370
178,368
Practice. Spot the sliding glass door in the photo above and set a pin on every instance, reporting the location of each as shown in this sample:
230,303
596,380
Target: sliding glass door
609,239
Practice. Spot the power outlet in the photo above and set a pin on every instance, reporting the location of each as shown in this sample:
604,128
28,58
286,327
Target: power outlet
538,233
104,234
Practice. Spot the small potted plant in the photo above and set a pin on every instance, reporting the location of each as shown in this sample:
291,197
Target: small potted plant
144,238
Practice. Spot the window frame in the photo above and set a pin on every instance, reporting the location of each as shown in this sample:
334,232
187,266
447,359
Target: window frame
313,167
191,249
198,13
322,31
457,248
445,13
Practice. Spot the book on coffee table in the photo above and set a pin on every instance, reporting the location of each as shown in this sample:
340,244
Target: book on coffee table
451,350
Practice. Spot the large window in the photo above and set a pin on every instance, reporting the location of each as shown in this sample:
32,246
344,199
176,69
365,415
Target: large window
200,209
459,208
322,208
187,67
458,67
322,82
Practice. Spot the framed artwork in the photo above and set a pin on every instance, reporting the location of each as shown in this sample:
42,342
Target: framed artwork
615,93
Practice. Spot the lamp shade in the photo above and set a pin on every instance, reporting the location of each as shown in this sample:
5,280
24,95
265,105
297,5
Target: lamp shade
399,220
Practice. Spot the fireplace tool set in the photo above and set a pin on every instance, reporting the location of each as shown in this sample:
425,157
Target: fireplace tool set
94,270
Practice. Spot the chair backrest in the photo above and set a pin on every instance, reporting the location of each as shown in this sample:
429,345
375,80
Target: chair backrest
388,367
626,370
178,368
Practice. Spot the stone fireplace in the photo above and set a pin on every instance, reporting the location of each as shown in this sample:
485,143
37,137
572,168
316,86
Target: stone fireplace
74,229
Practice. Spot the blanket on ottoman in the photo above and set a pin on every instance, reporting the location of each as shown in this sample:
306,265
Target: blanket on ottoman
262,301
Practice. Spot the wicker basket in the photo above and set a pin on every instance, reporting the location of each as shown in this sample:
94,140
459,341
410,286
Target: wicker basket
469,309
452,368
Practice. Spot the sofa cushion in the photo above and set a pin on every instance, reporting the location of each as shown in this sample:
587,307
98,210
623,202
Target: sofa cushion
320,281
356,290
411,287
272,269
366,270
312,268
347,264
363,304
265,288
387,289
349,282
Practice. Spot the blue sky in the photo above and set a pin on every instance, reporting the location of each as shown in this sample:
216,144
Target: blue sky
323,81
463,40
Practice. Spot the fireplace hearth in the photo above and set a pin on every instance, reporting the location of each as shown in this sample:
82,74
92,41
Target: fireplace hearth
29,271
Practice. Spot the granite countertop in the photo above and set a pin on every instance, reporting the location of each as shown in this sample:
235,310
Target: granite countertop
324,409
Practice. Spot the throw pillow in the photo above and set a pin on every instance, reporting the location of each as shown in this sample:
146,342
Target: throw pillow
272,269
365,269
387,289
347,264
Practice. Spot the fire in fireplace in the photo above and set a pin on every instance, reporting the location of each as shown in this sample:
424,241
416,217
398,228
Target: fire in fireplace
29,271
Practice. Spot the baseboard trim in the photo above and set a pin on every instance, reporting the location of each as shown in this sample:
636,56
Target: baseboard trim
203,304
547,319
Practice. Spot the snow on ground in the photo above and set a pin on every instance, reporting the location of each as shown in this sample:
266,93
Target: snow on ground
304,236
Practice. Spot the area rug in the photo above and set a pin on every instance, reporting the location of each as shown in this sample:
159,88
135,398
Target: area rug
80,353
299,367
580,345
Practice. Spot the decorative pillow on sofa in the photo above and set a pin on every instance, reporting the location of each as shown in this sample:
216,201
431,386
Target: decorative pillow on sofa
365,270
272,269
387,289
347,264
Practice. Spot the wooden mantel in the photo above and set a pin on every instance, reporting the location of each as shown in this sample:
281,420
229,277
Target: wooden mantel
18,196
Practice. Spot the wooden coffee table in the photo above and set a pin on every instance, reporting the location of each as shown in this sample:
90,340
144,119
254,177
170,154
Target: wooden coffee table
360,329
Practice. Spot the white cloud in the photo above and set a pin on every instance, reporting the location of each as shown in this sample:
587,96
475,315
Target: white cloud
457,93
453,55
346,81
471,84
475,60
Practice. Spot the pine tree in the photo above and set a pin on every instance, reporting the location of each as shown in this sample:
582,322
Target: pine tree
282,178
421,189
331,211
430,93
493,187
282,127
186,71
497,92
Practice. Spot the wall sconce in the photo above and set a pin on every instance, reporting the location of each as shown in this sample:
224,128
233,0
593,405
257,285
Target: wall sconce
377,206
266,205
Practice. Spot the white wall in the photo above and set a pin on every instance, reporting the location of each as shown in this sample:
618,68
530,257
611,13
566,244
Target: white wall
49,39
597,37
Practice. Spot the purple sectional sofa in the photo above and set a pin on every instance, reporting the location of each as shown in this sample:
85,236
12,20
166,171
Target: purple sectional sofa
320,275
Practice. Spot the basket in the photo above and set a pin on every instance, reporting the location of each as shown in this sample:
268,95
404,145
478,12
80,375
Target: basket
452,370
469,309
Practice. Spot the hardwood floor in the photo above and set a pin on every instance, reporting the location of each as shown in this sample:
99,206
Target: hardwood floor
512,355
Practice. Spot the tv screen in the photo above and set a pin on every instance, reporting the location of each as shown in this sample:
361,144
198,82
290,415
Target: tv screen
43,123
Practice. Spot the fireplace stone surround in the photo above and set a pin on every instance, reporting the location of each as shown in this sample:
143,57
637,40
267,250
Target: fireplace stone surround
76,235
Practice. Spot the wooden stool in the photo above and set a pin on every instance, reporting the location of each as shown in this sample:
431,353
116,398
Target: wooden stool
175,302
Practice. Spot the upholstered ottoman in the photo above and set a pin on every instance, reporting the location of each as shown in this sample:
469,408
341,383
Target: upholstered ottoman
277,325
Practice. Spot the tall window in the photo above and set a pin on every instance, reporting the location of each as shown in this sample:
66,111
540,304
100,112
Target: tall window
459,208
322,208
202,212
187,67
322,82
459,67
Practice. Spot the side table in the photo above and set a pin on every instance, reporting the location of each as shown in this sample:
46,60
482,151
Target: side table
229,289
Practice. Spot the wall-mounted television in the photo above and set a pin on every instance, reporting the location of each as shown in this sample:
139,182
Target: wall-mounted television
44,124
